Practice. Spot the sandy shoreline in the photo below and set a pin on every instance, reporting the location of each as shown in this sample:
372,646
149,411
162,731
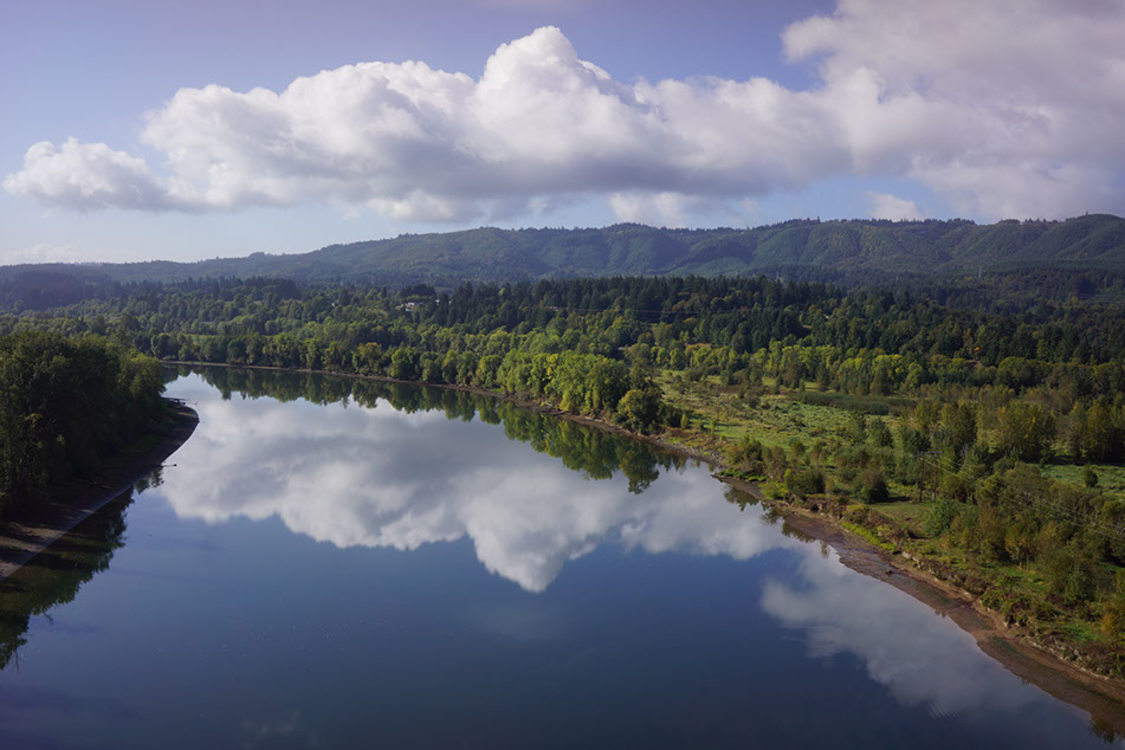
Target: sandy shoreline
29,533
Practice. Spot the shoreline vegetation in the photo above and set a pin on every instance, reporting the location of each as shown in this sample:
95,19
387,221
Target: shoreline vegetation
29,531
982,439
81,420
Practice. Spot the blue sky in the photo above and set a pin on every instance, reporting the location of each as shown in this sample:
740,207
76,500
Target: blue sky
140,130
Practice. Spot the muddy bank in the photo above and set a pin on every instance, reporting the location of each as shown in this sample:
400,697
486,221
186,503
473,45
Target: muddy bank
32,530
1103,698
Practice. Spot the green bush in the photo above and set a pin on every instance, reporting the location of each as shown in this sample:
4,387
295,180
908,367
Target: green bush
804,482
941,516
872,487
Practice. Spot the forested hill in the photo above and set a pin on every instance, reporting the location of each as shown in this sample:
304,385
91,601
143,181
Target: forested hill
842,251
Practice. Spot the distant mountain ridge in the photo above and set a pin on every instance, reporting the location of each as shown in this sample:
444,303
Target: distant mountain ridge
844,250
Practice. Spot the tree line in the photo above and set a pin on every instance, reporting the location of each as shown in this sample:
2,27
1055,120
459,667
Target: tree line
67,405
594,453
586,343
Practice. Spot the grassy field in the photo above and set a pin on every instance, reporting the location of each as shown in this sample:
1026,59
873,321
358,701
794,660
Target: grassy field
823,429
909,515
773,418
1111,479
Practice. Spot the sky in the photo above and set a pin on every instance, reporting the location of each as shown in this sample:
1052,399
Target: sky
138,130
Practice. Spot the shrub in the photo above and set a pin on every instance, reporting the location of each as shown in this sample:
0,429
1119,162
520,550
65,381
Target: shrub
804,482
941,516
873,487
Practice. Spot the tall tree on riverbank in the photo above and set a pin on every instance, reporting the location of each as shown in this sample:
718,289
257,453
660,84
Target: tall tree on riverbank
66,406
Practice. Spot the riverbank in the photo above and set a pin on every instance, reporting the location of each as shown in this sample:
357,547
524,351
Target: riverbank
32,530
1015,647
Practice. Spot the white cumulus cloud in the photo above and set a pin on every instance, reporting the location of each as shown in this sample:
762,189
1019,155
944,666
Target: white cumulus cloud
887,206
1005,108
87,175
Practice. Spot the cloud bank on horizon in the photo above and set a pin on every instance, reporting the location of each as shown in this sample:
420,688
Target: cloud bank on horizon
1010,108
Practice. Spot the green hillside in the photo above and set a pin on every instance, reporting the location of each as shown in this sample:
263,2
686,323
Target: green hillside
854,251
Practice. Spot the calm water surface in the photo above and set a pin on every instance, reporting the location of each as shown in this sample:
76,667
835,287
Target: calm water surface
417,569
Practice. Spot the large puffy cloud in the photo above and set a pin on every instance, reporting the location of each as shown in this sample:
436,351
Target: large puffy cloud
1006,108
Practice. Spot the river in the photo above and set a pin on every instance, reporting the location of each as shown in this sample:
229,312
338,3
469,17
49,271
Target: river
331,563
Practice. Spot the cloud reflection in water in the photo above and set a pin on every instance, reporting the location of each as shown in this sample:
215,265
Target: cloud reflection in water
356,476
381,478
923,659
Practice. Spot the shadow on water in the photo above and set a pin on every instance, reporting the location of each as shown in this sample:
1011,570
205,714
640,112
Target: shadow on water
55,575
595,453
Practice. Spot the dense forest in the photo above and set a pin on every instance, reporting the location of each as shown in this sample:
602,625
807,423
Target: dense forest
1083,256
981,437
67,405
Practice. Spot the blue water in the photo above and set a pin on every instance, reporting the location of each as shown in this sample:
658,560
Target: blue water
323,575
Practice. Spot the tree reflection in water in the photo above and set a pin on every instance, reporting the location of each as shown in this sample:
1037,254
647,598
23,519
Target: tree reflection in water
55,575
595,453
